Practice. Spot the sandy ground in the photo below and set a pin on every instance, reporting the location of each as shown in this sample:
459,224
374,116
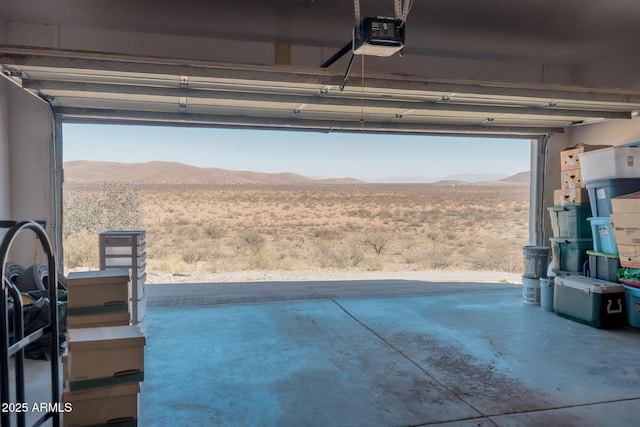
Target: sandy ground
276,275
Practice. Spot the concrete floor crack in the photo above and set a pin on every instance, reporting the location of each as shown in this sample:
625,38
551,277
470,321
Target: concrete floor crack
403,354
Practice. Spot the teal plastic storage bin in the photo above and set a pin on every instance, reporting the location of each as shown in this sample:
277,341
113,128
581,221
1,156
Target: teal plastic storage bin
601,193
596,303
570,254
570,221
602,233
603,266
632,296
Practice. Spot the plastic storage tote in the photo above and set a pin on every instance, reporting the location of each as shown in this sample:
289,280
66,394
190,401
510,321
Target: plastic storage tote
603,266
570,221
608,163
602,232
594,302
633,305
601,193
570,254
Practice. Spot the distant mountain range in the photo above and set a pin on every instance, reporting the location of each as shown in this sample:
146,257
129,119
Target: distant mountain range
519,178
424,179
174,173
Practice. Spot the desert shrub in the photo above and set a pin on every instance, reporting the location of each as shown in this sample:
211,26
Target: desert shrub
254,241
327,233
439,258
214,231
86,213
384,214
325,255
181,220
194,254
378,242
354,255
81,250
114,206
412,257
260,261
347,255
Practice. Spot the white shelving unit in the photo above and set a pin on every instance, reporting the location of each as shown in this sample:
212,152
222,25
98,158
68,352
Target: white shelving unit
127,249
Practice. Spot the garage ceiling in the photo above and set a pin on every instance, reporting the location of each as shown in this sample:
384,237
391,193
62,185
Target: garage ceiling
85,82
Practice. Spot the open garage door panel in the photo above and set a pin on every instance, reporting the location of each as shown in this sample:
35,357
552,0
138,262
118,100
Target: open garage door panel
85,87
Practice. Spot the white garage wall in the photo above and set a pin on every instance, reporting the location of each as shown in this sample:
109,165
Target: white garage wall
4,149
614,132
30,131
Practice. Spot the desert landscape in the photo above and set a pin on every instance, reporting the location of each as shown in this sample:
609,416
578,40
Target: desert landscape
205,221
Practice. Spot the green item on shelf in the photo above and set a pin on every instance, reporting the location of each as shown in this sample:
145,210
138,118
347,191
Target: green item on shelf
630,274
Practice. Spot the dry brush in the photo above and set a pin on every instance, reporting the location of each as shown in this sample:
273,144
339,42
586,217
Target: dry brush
306,227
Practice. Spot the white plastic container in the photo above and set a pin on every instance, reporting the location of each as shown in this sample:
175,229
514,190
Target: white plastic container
610,163
530,290
546,293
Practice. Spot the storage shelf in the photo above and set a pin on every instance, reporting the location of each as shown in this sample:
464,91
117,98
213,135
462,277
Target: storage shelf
127,249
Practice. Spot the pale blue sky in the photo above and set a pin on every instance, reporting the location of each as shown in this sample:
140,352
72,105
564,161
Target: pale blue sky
318,155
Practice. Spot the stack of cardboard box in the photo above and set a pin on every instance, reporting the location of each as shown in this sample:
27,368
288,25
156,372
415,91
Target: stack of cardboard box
104,365
573,191
571,229
625,220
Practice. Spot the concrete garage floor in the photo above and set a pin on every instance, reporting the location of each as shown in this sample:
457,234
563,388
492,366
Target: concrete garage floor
379,353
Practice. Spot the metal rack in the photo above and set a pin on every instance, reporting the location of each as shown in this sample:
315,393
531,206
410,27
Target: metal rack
16,349
127,249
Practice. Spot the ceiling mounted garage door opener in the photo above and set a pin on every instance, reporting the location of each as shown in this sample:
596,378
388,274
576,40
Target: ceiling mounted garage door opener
379,36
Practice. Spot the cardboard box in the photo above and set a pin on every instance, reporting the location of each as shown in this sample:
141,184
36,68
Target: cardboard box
570,158
103,291
626,228
104,406
590,301
629,255
118,318
629,203
570,196
571,178
105,357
